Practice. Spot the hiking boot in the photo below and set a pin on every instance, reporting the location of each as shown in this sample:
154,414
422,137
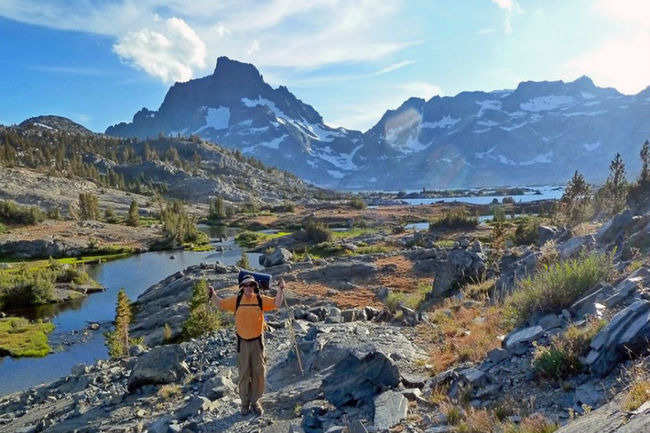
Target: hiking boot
245,409
257,408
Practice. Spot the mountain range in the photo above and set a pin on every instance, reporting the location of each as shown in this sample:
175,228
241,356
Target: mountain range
538,133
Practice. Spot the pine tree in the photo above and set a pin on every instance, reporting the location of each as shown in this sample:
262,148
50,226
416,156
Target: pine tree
202,318
217,209
118,339
88,206
612,197
133,219
243,261
645,159
576,198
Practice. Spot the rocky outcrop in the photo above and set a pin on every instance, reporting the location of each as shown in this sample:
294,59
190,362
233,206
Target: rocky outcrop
615,228
357,378
163,364
340,272
450,268
627,334
514,266
610,418
39,248
279,256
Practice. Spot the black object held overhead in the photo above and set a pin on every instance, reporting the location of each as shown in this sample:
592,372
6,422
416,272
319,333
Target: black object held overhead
264,280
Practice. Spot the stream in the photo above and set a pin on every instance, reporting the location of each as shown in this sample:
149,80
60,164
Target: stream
71,340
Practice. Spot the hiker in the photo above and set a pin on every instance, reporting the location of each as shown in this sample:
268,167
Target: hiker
249,306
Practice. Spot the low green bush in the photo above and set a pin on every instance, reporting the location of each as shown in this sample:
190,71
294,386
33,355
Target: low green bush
357,203
562,358
557,286
526,231
12,213
19,337
454,219
408,299
316,232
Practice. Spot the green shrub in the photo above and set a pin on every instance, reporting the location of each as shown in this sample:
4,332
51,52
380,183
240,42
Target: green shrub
316,232
562,357
202,318
557,286
357,203
133,217
526,232
88,206
248,239
19,337
411,300
243,261
179,227
13,213
26,287
54,213
454,219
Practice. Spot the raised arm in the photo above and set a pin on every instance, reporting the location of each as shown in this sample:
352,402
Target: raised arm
213,298
279,297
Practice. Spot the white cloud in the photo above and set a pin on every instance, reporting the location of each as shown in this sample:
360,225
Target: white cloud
393,67
420,89
255,47
622,60
364,115
511,7
329,31
169,53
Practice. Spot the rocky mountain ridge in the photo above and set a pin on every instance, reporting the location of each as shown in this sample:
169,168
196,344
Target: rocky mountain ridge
188,169
473,138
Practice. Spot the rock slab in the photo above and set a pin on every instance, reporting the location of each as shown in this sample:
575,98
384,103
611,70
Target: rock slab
390,408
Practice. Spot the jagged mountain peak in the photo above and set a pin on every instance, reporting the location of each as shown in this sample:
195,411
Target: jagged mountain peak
233,70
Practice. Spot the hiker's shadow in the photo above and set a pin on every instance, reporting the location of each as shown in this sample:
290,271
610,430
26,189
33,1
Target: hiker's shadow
226,423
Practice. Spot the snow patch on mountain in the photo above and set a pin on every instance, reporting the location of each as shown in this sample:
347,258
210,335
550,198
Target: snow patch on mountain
513,127
587,95
217,118
584,113
264,103
445,122
340,160
488,104
546,103
43,125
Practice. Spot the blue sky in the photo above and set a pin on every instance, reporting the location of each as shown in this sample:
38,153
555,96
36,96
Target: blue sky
99,61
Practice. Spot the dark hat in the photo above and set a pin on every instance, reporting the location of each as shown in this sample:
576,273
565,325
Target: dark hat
247,280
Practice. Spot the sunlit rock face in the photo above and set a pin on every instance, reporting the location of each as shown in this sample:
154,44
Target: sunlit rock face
539,132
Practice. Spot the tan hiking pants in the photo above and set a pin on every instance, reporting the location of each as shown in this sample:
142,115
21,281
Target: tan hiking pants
252,369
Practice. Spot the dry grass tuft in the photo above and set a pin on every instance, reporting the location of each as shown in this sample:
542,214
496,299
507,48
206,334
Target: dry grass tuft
459,333
169,391
638,389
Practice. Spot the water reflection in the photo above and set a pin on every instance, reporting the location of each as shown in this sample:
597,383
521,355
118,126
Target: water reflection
135,274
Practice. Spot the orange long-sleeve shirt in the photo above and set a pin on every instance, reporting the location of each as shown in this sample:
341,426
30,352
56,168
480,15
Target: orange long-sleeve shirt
249,320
